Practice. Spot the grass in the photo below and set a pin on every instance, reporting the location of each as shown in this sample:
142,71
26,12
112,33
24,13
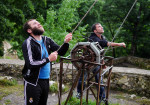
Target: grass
8,87
75,101
4,87
126,96
54,88
7,102
142,101
7,90
5,82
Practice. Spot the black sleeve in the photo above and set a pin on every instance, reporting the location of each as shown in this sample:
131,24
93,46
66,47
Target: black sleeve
61,49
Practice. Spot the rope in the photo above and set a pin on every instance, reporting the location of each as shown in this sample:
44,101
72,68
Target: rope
81,20
84,16
121,26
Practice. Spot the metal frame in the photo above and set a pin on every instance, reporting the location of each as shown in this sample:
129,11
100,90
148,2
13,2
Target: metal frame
86,56
90,83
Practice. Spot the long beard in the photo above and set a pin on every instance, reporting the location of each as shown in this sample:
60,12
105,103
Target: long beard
37,31
100,32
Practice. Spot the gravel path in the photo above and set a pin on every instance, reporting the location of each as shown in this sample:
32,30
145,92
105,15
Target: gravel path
17,97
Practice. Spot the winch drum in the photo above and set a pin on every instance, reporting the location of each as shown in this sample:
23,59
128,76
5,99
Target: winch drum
86,51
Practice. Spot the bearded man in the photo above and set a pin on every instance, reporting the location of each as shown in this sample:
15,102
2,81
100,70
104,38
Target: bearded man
39,51
96,36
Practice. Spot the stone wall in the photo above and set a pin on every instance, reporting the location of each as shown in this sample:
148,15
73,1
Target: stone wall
11,67
128,79
139,62
133,80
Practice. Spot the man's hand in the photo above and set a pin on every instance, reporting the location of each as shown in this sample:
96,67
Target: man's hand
122,45
53,56
68,37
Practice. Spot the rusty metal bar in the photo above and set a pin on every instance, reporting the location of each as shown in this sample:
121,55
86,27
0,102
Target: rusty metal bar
82,85
87,92
93,93
73,86
108,83
94,75
99,83
80,70
60,81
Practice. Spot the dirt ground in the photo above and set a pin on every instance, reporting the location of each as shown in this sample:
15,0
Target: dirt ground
16,99
120,98
115,97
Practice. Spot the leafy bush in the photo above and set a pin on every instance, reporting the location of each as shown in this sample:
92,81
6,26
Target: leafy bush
5,82
59,23
53,88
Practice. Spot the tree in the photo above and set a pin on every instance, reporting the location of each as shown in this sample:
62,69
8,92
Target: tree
13,14
136,24
60,17
61,21
10,17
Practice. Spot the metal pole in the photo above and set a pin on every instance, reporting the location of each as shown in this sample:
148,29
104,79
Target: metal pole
60,81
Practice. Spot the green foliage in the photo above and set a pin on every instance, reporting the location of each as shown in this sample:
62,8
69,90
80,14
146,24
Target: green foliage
7,102
13,14
1,50
75,101
10,18
53,88
94,14
62,21
60,17
134,28
31,6
5,82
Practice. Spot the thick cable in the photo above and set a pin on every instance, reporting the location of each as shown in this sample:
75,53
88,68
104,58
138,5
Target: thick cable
84,16
121,26
80,21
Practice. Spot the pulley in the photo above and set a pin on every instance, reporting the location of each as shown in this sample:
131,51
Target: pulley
86,51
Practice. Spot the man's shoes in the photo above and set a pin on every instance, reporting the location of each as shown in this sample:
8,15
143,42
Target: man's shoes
78,95
104,100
